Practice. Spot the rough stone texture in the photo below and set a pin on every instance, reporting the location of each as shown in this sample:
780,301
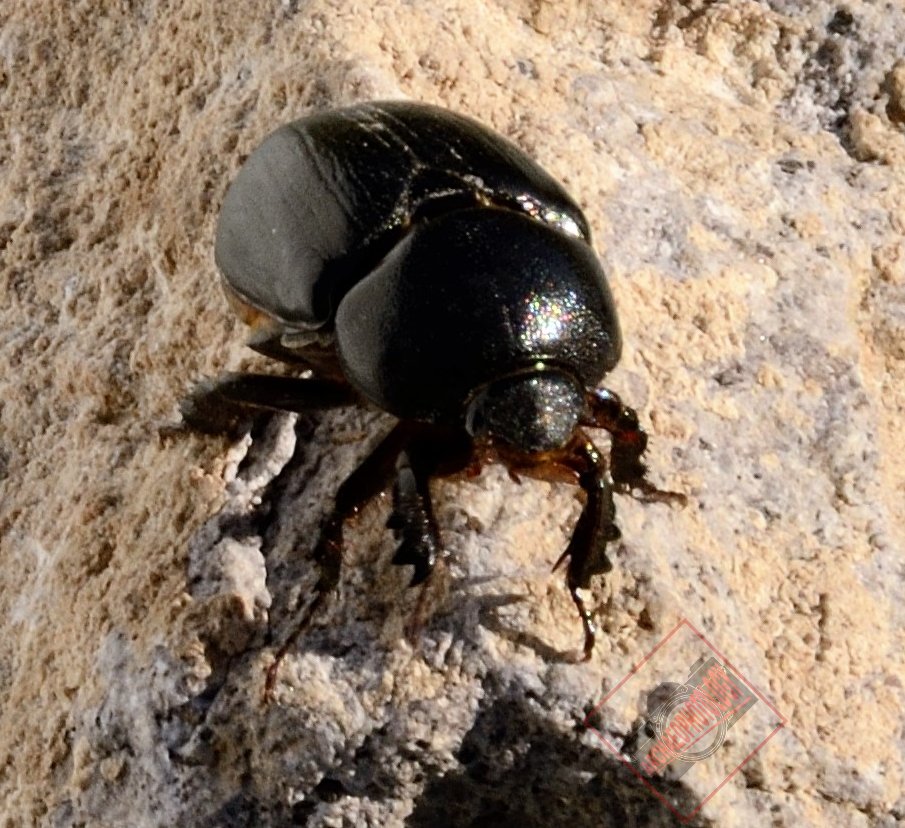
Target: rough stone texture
741,164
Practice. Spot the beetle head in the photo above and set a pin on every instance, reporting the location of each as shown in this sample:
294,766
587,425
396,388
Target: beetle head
532,412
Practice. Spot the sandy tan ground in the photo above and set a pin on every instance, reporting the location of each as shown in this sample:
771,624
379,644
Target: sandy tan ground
741,164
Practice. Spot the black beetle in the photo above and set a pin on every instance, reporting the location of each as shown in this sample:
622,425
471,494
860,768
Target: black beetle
408,257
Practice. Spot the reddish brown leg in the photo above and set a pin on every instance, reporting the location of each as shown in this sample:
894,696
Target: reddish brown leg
586,552
412,453
368,480
628,444
412,521
581,463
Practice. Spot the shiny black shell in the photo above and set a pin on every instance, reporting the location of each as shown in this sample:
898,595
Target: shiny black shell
439,255
468,298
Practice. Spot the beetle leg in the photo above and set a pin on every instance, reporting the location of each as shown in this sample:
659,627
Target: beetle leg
629,441
228,403
437,453
412,520
586,552
367,481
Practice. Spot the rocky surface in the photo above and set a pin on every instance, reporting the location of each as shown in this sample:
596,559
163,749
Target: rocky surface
741,164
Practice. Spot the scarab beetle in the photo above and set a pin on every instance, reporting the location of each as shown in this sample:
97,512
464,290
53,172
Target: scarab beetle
407,257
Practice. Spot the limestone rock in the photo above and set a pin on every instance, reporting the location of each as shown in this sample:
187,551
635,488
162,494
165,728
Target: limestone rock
741,167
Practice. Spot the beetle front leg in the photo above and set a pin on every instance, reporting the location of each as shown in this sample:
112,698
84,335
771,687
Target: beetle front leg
225,405
629,441
586,552
412,521
415,527
367,481
437,453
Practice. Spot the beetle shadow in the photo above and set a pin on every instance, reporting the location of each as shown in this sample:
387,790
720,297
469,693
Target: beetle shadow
487,609
348,630
516,766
